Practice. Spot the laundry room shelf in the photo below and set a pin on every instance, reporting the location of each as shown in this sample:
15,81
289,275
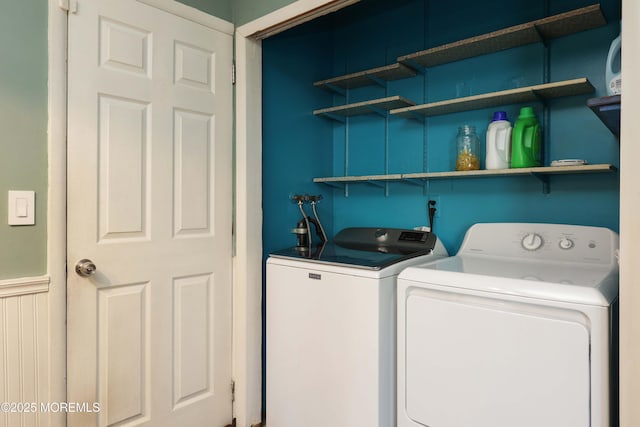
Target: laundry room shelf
541,173
379,106
407,66
536,31
539,30
607,108
506,97
542,170
379,75
359,179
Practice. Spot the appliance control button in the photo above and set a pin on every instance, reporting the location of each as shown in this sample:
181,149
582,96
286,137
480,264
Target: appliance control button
565,243
381,235
532,241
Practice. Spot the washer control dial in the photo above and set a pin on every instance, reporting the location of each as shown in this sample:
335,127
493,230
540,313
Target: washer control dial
532,241
565,243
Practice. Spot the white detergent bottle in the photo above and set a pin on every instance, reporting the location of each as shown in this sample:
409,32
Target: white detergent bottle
613,75
498,146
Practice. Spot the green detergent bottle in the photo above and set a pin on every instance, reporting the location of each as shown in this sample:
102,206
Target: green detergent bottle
526,149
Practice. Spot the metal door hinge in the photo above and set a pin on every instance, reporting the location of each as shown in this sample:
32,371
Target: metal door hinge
69,5
233,391
233,73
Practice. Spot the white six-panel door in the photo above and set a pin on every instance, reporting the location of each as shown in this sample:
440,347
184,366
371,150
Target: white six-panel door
149,202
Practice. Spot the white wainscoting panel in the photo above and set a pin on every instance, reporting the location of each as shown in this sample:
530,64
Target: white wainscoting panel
24,351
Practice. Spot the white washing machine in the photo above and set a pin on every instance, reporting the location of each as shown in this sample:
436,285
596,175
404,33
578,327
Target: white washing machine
330,325
515,330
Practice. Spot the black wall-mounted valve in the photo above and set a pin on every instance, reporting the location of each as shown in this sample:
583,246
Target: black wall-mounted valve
431,210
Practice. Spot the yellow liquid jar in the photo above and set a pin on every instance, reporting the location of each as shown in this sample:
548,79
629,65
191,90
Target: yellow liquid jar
468,147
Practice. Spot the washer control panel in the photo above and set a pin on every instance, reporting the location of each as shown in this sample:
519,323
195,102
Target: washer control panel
534,241
555,242
387,240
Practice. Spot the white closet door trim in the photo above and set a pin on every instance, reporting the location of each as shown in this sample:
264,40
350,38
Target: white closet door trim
54,387
247,263
629,229
289,16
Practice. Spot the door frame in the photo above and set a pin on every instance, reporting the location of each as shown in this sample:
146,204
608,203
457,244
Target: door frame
57,205
629,227
247,263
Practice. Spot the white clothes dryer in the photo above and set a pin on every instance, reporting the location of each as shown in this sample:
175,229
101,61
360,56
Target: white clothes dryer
515,330
331,323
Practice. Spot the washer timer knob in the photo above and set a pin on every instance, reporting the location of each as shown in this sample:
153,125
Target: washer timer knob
565,243
532,241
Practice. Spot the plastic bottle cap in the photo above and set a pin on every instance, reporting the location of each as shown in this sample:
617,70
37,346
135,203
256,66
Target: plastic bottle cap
499,115
527,112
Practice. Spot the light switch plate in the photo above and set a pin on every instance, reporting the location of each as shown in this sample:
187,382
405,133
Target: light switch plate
22,208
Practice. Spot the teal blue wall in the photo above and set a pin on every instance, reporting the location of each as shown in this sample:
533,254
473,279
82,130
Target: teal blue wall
374,33
23,120
297,145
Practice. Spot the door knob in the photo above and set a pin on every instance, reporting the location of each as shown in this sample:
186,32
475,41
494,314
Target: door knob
85,267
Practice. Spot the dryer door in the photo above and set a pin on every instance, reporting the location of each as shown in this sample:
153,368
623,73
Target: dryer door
475,361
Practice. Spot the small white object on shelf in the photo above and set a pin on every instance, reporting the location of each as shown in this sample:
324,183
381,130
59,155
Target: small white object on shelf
568,162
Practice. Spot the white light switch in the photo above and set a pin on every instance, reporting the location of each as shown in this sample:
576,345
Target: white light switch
22,208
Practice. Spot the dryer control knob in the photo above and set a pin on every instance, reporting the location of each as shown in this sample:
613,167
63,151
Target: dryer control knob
565,243
532,241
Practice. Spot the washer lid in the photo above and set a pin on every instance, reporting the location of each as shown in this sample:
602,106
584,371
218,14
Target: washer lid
369,248
332,254
581,283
